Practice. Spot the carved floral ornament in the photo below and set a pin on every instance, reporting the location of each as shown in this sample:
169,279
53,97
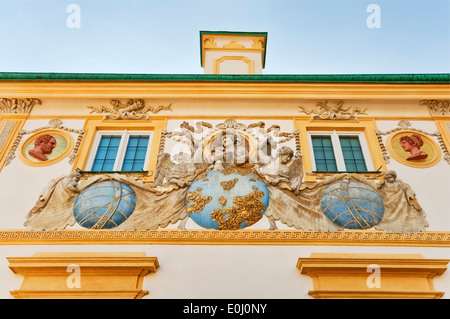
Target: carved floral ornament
53,133
437,107
132,109
405,132
323,111
18,106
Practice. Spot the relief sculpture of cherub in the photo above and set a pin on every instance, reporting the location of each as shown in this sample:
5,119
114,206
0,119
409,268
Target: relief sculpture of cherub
279,169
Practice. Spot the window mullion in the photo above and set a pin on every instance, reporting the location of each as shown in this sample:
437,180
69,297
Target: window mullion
340,163
121,152
366,153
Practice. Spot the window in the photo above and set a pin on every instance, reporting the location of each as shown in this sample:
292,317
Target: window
339,152
124,151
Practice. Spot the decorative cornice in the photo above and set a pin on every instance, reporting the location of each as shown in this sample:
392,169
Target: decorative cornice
349,275
225,237
108,275
228,86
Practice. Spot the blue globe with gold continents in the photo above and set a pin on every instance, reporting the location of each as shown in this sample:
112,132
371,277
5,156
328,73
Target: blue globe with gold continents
351,204
227,201
104,205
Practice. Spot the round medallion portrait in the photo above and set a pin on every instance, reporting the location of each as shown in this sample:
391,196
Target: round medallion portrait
46,148
413,149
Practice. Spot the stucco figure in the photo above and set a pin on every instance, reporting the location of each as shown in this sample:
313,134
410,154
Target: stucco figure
402,210
53,209
280,169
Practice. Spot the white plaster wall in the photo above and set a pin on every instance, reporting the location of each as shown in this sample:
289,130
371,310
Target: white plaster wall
431,185
221,271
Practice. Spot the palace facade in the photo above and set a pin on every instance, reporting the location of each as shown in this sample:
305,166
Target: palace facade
228,184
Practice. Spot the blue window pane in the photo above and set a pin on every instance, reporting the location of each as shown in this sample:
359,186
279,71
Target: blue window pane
135,154
106,153
353,155
324,154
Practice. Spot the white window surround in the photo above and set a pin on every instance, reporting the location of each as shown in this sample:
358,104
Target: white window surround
125,134
338,150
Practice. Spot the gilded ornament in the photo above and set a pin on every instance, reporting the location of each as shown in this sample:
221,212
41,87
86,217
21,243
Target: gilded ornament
227,185
199,201
245,209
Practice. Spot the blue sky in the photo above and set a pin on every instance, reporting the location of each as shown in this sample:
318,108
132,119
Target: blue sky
162,36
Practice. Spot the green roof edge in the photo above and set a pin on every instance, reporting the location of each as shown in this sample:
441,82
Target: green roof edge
236,33
342,78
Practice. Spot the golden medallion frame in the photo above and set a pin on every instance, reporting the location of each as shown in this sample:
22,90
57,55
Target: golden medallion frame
60,133
430,146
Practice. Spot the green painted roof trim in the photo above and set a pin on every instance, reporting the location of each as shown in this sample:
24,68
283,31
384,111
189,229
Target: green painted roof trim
264,34
294,78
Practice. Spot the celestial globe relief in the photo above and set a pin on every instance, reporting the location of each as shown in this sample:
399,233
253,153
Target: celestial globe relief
351,204
227,201
104,205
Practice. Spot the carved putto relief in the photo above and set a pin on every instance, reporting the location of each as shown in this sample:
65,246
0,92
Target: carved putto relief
132,109
323,111
228,176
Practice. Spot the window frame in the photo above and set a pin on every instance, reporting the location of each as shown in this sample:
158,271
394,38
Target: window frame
124,140
337,148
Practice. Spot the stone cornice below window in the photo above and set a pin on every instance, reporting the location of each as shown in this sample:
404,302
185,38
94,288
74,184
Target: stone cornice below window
371,276
94,275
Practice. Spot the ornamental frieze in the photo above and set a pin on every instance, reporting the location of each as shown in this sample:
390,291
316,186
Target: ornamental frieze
228,177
